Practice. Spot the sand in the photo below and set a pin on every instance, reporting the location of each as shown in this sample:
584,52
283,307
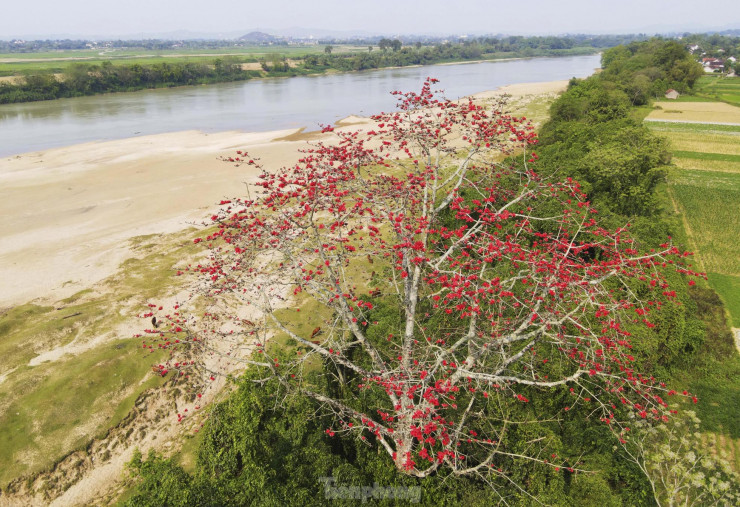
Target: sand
68,213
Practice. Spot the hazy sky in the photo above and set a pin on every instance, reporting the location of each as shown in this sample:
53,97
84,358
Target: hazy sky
127,17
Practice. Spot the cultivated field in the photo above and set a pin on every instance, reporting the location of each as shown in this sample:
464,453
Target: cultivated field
704,191
725,89
698,112
16,64
710,204
726,143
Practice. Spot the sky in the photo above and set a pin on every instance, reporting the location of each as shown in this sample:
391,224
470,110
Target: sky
381,17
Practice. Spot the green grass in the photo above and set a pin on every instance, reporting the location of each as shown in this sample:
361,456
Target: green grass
57,62
710,203
719,88
537,109
719,392
706,165
659,126
693,98
59,407
713,375
26,328
722,157
51,409
639,113
728,288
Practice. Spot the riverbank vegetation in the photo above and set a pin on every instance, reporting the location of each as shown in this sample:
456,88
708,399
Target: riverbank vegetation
47,76
73,371
264,443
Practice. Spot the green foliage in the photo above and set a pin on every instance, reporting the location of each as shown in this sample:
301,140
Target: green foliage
621,166
164,483
263,448
647,69
618,162
85,79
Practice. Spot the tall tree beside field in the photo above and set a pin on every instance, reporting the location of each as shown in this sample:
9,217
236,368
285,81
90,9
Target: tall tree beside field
456,296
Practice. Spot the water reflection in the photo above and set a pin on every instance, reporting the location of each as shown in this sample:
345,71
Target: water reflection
256,105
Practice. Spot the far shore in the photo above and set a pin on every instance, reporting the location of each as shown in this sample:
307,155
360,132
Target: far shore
70,212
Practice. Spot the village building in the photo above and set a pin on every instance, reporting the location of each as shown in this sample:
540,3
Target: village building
672,94
713,64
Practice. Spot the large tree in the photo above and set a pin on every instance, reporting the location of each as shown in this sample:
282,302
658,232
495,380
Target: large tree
442,289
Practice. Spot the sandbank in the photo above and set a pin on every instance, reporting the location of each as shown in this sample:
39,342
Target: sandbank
69,213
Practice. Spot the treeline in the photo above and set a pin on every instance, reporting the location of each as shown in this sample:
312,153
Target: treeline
513,43
426,55
596,135
86,79
89,79
714,45
253,454
646,70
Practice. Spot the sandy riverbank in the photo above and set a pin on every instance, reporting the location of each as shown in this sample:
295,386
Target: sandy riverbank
68,213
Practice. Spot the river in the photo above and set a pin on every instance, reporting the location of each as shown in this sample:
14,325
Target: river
257,105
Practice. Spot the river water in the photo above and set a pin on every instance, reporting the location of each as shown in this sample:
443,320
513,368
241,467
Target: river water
257,105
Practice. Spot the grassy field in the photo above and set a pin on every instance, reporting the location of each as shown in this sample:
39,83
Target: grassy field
699,128
73,369
704,190
713,88
16,64
700,112
725,89
704,142
710,203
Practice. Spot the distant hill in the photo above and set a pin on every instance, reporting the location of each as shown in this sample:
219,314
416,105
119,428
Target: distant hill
731,33
258,38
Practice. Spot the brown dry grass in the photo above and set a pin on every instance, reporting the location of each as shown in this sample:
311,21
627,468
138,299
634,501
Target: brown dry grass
719,166
727,144
701,112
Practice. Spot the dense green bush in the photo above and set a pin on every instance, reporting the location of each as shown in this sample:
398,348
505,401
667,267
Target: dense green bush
261,448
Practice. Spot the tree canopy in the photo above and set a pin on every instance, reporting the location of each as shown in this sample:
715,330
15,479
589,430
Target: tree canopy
450,289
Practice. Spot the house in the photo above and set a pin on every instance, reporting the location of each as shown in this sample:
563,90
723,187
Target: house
713,64
672,94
